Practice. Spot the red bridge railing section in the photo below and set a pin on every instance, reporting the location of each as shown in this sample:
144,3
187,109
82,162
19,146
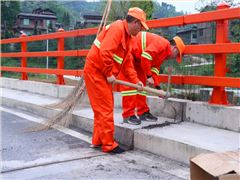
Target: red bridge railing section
222,47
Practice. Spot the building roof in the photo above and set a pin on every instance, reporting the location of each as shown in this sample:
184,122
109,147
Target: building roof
187,29
36,16
92,16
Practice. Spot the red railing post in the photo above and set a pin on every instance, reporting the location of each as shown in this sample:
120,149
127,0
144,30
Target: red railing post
24,59
219,95
60,60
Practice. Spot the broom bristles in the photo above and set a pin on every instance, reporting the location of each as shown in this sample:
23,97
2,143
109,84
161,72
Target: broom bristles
64,117
70,97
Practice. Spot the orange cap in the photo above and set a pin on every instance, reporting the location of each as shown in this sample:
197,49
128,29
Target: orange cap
138,14
181,47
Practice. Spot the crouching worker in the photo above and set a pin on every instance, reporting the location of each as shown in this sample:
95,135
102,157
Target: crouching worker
149,52
110,54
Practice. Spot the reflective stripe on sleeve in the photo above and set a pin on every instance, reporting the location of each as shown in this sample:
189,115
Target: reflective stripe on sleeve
144,41
107,26
155,70
147,56
117,59
97,43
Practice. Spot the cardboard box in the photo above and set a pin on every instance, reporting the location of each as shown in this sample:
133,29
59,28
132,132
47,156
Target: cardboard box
216,166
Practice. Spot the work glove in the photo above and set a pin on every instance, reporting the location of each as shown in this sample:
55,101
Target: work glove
111,79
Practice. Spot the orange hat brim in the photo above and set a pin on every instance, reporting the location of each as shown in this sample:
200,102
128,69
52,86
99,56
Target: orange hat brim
144,25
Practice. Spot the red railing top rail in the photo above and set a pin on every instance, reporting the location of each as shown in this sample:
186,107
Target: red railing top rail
231,13
56,35
203,17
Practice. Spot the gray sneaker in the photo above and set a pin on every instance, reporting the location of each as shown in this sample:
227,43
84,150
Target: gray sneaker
132,120
147,116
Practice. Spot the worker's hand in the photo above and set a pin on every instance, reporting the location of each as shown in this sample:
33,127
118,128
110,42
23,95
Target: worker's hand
141,86
150,81
111,79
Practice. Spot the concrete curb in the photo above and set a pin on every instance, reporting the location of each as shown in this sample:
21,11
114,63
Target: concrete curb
172,149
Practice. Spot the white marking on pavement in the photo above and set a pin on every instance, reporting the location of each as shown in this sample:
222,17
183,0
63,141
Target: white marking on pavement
57,127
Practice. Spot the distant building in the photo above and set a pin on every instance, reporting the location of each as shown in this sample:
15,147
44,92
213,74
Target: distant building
205,33
89,20
189,34
38,22
197,34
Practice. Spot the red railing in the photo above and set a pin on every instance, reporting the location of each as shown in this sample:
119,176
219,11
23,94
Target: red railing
222,47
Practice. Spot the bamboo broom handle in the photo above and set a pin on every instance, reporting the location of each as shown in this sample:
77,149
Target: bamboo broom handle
147,89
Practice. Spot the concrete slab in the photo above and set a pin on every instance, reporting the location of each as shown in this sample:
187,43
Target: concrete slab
185,140
224,117
52,90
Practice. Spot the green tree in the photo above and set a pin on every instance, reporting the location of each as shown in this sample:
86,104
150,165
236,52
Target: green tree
9,11
233,60
66,21
146,5
119,9
165,10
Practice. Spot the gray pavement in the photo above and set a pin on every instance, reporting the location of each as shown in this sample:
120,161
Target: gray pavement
54,154
188,139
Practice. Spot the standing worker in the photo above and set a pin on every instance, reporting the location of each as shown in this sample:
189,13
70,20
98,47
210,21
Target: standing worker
149,52
110,54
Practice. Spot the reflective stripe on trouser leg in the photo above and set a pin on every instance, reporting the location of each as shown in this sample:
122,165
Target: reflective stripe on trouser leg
101,100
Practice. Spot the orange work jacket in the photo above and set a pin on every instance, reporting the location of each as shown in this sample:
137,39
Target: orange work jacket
150,50
111,51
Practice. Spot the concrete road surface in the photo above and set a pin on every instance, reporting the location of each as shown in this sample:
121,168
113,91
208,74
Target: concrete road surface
66,154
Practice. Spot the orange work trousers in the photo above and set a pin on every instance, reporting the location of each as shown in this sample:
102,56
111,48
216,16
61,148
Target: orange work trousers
133,100
101,99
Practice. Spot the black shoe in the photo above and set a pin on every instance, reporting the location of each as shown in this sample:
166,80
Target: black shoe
147,116
117,150
132,120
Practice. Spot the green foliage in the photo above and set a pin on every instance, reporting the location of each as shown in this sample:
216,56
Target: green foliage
209,5
119,9
79,8
9,11
66,21
233,60
165,10
146,5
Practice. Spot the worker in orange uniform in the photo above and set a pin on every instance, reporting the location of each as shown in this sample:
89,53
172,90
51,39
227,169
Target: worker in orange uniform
110,54
149,51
